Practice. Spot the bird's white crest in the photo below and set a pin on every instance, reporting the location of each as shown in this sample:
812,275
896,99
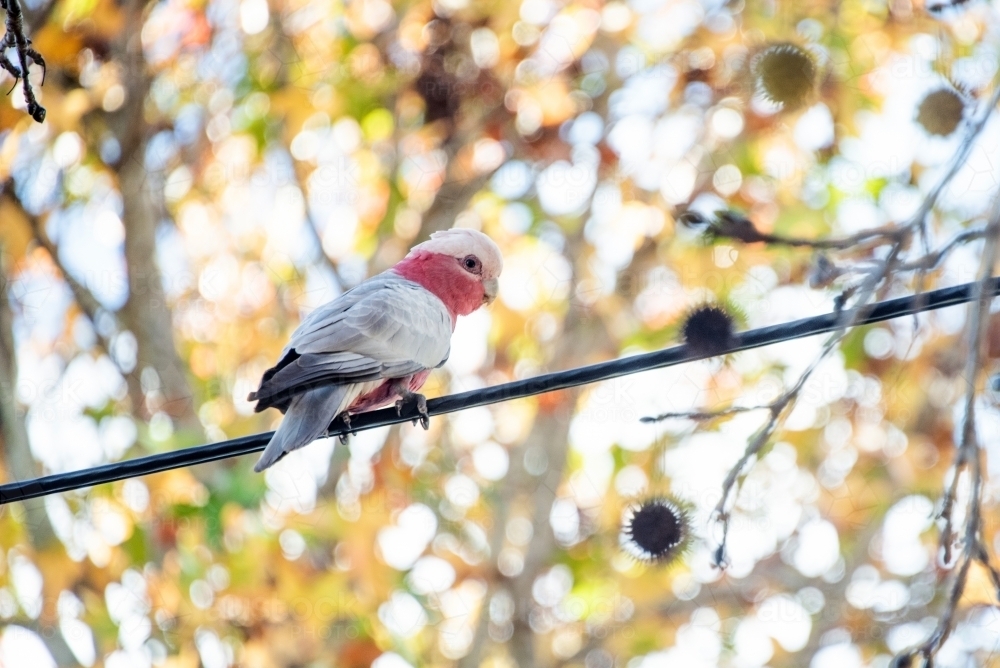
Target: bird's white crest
461,241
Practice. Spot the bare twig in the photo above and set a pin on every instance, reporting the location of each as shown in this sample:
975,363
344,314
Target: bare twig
781,407
701,416
15,39
932,260
730,225
964,456
745,231
311,223
967,459
738,227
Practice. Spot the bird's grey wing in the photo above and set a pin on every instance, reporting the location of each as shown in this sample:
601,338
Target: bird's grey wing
333,311
393,331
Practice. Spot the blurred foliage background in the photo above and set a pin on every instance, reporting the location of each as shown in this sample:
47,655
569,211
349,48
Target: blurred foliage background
211,170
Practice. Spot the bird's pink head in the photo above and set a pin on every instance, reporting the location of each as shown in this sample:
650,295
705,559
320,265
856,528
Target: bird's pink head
460,266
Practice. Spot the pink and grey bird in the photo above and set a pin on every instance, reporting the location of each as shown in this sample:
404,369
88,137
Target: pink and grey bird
377,343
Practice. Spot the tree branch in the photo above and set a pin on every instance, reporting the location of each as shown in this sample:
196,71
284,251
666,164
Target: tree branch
15,39
312,225
85,299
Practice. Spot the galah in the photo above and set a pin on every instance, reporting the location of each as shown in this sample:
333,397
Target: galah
378,342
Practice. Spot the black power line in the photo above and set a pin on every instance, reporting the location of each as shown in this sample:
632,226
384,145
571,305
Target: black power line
755,338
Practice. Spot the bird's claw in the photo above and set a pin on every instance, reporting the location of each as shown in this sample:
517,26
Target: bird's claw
421,403
346,417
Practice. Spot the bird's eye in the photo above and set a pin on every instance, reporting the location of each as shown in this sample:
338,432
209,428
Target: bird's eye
472,264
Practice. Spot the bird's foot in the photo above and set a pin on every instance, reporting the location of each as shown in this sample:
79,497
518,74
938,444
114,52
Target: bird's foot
420,401
346,417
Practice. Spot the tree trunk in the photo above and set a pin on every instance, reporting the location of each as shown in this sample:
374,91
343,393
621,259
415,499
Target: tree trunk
550,433
582,337
146,313
17,459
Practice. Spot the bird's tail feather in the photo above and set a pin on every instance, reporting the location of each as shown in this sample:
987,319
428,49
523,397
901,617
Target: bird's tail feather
307,418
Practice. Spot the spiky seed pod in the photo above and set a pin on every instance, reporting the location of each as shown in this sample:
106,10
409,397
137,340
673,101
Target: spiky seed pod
786,74
941,111
708,330
657,530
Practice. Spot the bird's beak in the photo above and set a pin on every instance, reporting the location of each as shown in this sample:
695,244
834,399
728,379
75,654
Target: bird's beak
490,288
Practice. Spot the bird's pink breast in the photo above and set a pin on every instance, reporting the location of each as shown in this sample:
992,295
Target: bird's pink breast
384,394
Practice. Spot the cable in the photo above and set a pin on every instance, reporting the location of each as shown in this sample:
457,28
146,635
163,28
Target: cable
550,382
